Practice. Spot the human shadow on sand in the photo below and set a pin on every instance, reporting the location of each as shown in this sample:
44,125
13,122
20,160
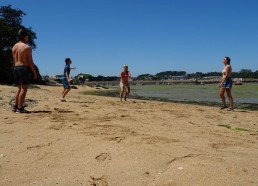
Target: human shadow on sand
41,111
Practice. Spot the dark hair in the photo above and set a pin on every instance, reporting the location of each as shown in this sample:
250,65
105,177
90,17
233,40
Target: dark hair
67,60
228,60
22,33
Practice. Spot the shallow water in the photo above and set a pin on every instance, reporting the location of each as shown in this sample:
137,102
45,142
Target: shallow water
246,93
245,96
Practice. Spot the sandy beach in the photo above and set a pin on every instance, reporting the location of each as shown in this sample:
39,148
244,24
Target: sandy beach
100,141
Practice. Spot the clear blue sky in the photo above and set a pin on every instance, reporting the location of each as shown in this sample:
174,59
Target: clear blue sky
151,36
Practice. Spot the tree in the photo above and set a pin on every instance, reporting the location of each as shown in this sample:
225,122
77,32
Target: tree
10,24
213,74
82,77
199,75
256,74
143,77
246,73
112,78
169,74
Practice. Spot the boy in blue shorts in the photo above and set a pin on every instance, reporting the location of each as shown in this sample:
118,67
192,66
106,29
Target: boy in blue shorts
66,78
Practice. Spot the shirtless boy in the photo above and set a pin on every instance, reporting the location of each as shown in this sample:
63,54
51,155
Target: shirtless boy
22,58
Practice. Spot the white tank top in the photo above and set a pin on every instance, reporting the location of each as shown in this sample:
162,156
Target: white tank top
224,72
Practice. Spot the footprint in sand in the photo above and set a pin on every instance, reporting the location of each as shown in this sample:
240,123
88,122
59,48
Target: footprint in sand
124,116
158,140
102,181
57,126
39,146
222,145
102,157
117,139
4,131
9,122
62,110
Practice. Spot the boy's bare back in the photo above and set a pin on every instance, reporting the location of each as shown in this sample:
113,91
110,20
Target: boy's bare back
22,54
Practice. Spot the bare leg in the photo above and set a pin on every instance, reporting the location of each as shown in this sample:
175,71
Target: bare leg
121,93
230,98
65,92
22,95
127,92
222,91
17,95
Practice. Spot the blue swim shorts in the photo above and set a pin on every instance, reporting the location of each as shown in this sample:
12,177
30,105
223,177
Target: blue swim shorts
65,83
228,83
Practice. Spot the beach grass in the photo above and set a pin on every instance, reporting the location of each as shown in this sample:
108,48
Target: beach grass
237,129
225,125
241,129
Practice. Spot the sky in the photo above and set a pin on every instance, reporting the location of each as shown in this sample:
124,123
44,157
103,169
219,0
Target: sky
151,36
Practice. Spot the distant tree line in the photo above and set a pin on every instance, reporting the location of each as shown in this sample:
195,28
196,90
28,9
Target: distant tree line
87,77
10,24
161,75
244,73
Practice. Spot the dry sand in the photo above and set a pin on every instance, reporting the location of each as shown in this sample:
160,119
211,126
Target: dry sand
91,140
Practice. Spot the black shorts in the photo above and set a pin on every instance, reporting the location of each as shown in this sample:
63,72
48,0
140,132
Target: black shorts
21,75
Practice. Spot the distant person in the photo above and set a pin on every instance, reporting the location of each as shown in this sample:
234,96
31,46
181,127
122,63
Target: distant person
66,80
226,84
22,58
124,82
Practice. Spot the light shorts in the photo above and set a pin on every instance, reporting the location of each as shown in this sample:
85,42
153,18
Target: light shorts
124,86
228,83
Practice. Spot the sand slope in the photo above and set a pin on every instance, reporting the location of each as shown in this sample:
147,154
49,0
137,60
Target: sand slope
101,141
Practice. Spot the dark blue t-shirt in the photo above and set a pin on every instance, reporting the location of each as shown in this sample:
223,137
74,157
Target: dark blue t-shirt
67,70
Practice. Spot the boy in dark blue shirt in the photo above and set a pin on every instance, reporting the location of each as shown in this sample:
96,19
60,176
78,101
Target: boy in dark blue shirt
66,78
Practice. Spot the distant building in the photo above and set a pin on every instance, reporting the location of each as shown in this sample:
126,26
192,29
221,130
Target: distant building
45,78
238,80
58,76
212,77
178,78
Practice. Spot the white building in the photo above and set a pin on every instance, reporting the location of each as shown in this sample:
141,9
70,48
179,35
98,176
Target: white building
178,78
